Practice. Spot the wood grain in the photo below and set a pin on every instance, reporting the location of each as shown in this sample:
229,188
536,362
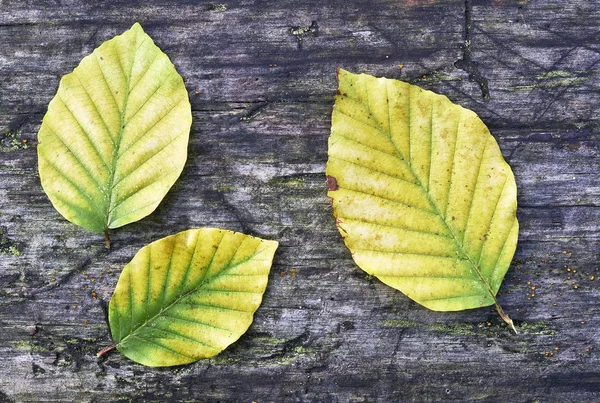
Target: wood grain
261,79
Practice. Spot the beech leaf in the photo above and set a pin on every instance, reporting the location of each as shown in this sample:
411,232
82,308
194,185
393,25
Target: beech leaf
421,193
114,139
188,296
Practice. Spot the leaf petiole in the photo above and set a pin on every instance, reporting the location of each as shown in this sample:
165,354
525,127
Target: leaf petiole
106,350
106,238
506,318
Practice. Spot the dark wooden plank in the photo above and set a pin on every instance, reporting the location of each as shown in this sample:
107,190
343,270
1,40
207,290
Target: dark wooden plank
261,80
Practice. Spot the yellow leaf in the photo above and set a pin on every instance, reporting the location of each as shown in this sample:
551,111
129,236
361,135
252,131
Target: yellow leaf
188,296
114,139
421,193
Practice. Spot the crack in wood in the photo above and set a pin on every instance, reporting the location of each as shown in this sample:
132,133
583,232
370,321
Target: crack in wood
467,63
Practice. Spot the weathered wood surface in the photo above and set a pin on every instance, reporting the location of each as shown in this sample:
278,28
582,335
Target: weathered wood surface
262,81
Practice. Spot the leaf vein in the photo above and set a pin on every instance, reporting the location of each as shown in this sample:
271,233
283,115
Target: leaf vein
149,130
165,286
87,170
503,246
405,228
377,128
430,146
453,164
148,282
110,135
210,306
454,297
474,190
160,85
364,145
157,52
373,170
93,203
422,276
190,263
408,253
106,83
85,133
197,322
162,346
182,336
389,199
141,164
489,225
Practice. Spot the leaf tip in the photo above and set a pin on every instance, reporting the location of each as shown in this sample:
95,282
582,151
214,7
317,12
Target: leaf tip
272,246
272,242
137,26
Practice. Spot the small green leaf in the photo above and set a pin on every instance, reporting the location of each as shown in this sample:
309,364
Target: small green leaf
421,193
114,139
188,296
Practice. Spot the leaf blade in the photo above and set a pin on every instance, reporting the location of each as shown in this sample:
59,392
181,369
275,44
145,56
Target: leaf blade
423,198
188,296
114,139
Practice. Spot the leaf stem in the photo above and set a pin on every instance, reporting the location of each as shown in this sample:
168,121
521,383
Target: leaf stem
106,350
106,238
506,318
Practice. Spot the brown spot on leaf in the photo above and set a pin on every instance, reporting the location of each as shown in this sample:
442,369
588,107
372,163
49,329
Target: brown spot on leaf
332,184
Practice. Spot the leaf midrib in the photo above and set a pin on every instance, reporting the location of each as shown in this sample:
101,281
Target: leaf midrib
122,125
436,209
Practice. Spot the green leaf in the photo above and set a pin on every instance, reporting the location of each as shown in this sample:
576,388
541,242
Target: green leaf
188,296
114,139
421,193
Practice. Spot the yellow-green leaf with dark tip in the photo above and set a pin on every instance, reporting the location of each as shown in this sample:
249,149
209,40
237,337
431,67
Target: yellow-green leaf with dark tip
421,193
114,139
188,296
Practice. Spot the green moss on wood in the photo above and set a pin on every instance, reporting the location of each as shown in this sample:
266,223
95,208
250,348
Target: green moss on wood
26,345
225,188
11,141
463,329
398,323
287,181
554,79
538,328
7,245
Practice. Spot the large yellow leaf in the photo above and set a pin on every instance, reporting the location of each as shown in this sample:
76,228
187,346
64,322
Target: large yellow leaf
188,296
421,193
114,139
